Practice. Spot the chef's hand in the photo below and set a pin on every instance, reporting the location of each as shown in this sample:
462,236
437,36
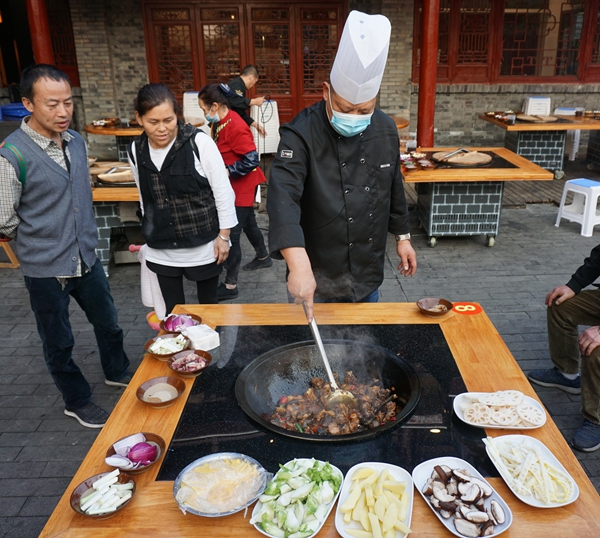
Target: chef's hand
408,258
222,246
589,340
559,295
301,280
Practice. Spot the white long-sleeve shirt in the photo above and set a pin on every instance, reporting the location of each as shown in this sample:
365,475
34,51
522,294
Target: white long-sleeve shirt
210,166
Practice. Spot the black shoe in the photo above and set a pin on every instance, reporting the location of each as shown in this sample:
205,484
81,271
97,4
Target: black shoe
224,294
554,378
90,415
258,264
123,382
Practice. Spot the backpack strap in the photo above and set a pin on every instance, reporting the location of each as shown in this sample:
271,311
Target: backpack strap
130,153
20,159
193,142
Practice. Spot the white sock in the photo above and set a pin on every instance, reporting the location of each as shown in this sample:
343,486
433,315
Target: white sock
571,377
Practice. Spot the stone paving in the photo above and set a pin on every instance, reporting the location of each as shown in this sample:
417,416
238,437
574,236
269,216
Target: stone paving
41,448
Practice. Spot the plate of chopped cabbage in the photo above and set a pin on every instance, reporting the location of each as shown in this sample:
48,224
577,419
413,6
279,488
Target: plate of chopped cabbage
296,503
531,471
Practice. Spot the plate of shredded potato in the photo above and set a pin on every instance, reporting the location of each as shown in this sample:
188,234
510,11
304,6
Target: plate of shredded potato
531,471
220,484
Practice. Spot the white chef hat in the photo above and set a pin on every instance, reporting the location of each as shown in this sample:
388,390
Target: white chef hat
360,60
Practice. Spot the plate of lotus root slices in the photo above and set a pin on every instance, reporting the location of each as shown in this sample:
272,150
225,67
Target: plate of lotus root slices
504,409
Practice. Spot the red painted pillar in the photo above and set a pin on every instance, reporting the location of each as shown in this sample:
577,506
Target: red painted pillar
430,22
40,31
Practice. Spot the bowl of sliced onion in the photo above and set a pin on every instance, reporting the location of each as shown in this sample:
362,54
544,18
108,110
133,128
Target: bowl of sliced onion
103,495
177,323
190,363
136,453
164,346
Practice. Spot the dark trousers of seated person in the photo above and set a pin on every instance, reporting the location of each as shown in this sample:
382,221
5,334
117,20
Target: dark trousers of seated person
246,222
170,280
563,339
50,304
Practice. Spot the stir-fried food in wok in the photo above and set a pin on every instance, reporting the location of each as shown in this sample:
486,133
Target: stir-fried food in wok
308,412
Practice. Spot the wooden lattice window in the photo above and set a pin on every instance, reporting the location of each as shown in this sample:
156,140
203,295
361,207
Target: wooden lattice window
221,38
319,46
510,40
61,34
172,47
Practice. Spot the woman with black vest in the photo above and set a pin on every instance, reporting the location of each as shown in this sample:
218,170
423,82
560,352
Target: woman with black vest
186,199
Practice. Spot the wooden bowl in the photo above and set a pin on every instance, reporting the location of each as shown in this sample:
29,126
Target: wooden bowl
194,373
110,122
196,318
175,382
78,492
165,357
432,307
152,439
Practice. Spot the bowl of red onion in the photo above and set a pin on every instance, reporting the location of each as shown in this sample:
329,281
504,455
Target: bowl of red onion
190,363
136,453
176,323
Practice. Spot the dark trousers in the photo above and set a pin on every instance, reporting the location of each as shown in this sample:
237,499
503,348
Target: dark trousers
563,339
50,304
246,222
172,291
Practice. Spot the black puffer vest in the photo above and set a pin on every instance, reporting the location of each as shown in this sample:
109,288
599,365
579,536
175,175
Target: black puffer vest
179,206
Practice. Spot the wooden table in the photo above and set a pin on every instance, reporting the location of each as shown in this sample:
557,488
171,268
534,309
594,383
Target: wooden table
124,136
527,139
485,364
447,197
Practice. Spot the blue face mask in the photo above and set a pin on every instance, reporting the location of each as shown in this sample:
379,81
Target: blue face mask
349,124
213,119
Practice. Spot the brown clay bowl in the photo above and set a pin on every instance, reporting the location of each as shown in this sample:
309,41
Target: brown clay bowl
166,356
194,373
197,320
171,380
82,488
152,439
434,307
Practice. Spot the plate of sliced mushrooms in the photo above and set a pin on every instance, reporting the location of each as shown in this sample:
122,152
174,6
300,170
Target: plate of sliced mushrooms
504,409
461,498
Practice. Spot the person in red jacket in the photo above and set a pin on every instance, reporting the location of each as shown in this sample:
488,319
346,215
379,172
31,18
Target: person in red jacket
236,144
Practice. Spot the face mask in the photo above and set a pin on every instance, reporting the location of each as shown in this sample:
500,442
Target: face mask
348,124
213,119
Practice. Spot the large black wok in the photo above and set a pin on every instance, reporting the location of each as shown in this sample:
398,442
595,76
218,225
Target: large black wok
288,370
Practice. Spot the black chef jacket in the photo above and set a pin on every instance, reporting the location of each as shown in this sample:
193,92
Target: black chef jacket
239,102
338,198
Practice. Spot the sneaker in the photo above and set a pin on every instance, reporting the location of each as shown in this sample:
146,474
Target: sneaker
90,415
587,437
553,378
123,382
258,264
224,294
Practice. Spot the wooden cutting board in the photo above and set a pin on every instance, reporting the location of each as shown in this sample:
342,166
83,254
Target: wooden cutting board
537,119
473,158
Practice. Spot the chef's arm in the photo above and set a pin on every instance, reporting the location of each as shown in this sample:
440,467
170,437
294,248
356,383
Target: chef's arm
408,258
301,280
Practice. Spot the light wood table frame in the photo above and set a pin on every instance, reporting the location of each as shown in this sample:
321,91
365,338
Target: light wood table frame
485,364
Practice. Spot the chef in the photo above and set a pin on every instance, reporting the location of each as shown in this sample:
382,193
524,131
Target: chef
335,189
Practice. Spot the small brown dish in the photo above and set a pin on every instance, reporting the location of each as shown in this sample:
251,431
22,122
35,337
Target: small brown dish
434,307
193,373
197,321
155,392
164,357
152,439
86,485
110,122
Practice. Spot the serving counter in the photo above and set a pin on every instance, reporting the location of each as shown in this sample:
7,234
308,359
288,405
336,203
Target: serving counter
455,200
124,136
543,143
481,356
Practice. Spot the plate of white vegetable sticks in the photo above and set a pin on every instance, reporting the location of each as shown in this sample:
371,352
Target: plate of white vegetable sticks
531,471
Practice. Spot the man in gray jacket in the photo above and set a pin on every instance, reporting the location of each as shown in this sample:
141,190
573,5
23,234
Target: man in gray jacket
46,203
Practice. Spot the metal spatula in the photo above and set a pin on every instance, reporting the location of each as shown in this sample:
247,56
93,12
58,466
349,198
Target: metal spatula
337,395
